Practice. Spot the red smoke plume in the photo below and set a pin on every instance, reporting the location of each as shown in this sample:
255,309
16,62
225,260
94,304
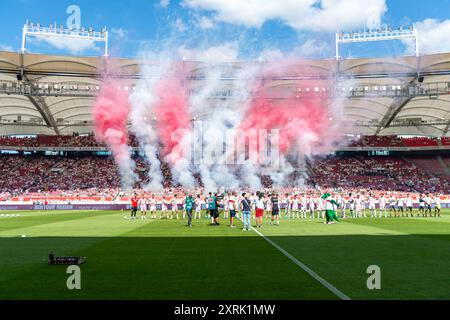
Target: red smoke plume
303,116
110,113
172,113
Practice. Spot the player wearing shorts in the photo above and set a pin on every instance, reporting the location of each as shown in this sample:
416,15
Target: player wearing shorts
312,206
226,208
231,204
304,207
427,205
364,205
288,209
341,202
437,206
400,206
164,209
409,205
175,211
143,207
213,207
320,208
392,206
152,202
421,206
358,206
382,202
294,210
351,205
275,205
372,206
252,199
198,207
267,206
259,210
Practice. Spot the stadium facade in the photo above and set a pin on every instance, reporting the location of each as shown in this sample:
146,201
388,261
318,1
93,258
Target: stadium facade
382,97
41,94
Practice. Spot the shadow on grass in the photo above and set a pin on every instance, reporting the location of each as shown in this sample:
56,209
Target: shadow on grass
413,267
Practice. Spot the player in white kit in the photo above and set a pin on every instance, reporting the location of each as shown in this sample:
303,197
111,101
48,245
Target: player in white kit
383,206
253,204
174,203
198,207
288,209
372,206
226,208
295,208
312,206
437,206
400,205
341,201
303,207
164,207
409,205
320,208
358,206
152,203
143,206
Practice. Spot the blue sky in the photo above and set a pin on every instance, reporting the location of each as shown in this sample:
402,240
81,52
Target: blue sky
231,28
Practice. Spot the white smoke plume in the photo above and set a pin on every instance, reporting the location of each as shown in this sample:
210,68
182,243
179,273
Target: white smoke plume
142,119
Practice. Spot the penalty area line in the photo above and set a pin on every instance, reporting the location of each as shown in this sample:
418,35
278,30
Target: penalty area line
308,270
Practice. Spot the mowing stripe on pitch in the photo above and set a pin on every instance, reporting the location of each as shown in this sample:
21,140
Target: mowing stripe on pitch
324,282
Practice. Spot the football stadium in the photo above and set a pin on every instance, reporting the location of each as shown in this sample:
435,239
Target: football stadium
161,177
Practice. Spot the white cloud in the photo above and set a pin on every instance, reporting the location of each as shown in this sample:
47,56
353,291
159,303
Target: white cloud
205,23
164,3
320,15
272,54
119,32
179,25
311,48
74,46
433,37
226,52
4,47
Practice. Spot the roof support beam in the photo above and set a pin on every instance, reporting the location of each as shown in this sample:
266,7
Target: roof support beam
41,106
447,127
395,108
43,109
397,105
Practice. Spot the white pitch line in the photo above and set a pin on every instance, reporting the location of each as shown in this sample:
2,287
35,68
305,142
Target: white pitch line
324,282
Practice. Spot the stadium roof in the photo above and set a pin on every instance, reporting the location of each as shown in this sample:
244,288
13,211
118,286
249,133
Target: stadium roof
378,114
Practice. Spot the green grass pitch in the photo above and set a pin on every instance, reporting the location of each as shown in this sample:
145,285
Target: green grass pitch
165,260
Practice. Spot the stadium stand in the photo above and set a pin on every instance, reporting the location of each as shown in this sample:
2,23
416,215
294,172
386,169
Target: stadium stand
420,142
96,176
383,173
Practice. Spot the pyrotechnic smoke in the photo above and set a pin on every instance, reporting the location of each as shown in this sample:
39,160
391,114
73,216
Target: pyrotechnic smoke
206,138
174,124
307,121
240,102
142,120
167,105
161,121
219,124
110,113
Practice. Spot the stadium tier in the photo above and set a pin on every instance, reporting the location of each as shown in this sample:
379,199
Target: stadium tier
385,137
83,175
